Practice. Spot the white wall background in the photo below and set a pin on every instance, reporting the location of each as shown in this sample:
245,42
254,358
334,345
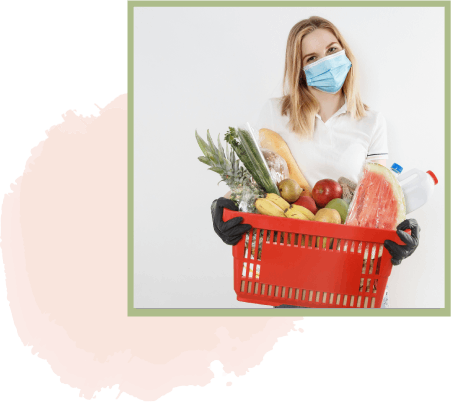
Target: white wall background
209,68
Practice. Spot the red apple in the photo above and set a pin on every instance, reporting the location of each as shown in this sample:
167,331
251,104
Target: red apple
307,202
306,193
326,190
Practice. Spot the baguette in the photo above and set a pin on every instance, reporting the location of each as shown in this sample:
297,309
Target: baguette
274,142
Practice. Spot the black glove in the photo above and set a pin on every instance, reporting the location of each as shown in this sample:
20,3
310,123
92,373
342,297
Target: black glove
231,231
399,252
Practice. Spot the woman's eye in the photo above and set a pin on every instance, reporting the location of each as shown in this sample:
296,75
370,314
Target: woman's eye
333,48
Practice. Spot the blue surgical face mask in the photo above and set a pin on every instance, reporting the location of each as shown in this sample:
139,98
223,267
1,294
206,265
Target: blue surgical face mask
329,73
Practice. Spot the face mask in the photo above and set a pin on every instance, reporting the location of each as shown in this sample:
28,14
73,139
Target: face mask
329,73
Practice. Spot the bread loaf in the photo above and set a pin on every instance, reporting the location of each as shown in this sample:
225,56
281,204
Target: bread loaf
274,142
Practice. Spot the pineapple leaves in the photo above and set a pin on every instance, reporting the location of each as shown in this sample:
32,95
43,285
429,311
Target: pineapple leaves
222,157
204,147
211,143
216,169
214,151
205,160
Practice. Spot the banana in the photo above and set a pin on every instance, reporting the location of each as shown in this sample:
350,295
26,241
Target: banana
295,214
304,211
267,207
279,201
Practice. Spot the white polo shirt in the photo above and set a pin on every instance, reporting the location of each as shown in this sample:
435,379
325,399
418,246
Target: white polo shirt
339,147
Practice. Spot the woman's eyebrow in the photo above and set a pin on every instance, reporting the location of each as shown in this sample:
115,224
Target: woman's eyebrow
310,54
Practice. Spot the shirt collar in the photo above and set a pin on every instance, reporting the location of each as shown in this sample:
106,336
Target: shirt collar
342,110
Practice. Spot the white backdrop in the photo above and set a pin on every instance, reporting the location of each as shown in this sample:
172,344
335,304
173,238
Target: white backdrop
210,68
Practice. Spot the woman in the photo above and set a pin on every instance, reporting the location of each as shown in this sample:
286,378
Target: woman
329,130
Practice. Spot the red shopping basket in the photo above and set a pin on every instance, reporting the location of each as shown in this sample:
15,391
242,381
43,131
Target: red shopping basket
310,264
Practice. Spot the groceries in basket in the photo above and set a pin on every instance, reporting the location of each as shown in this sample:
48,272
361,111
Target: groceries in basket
271,183
319,246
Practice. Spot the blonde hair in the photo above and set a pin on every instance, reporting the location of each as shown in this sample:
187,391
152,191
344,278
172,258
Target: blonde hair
297,101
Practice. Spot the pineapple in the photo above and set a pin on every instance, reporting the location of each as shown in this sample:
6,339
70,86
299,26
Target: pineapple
244,190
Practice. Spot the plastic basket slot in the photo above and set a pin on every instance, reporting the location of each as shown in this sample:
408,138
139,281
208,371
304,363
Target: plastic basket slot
290,293
276,237
375,286
368,282
243,283
296,239
251,269
365,304
373,252
257,272
329,243
246,244
373,302
256,288
252,245
314,244
283,291
296,294
361,285
345,300
364,267
303,294
331,298
361,247
359,299
262,289
310,296
352,247
378,264
249,287
290,237
268,236
276,292
282,238
324,297
244,273
335,243
338,299
319,243
270,290
259,241
317,296
370,271
351,302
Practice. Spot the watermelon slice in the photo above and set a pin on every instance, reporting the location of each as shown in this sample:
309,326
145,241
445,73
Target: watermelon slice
378,201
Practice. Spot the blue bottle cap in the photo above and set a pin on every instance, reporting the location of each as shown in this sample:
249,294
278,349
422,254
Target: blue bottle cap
396,168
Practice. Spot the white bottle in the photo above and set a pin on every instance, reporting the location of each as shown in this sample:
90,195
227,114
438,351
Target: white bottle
418,190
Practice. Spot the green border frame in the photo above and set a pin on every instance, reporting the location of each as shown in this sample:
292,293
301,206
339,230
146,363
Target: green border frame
142,312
